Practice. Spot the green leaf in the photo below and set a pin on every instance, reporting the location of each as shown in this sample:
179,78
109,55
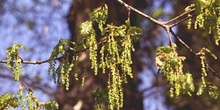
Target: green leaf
8,100
14,61
207,15
100,14
200,89
213,91
135,31
51,105
86,28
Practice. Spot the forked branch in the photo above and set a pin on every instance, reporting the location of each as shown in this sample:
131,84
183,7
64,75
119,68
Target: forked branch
168,27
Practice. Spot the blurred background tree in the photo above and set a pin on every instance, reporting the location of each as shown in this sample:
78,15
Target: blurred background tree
38,25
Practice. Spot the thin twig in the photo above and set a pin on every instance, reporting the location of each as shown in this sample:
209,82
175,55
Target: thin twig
38,62
179,21
24,85
33,62
179,16
194,53
182,42
169,35
166,24
142,14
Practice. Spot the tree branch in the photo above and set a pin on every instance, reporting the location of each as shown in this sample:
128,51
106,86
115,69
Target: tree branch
194,53
168,27
178,19
165,25
142,14
178,22
33,62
